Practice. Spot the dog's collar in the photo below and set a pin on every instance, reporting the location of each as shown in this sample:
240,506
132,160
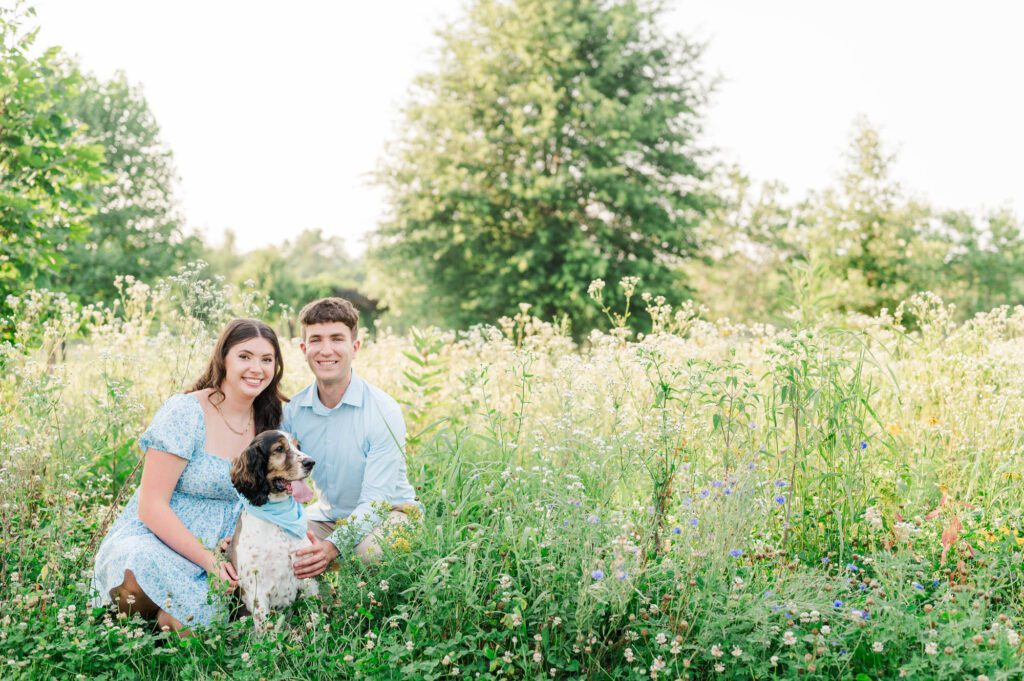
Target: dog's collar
287,514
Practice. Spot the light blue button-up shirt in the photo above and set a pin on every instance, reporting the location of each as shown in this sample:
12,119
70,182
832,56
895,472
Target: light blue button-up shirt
359,449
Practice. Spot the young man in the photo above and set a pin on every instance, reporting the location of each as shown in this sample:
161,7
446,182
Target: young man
356,434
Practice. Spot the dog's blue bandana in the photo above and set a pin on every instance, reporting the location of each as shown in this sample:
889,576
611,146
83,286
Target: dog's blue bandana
287,514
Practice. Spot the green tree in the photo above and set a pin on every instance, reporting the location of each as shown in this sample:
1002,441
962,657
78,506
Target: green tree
867,234
984,261
137,228
47,166
748,241
553,145
312,265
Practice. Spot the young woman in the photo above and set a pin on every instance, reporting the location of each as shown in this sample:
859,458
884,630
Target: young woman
156,557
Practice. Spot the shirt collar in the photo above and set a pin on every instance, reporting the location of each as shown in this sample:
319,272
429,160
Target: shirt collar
353,396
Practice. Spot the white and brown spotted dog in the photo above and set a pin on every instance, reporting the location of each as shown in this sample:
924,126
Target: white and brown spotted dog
267,474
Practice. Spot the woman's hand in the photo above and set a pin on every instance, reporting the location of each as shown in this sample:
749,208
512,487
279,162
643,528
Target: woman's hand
224,573
228,574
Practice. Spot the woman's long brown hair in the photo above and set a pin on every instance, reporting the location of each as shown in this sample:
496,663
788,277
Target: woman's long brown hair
267,407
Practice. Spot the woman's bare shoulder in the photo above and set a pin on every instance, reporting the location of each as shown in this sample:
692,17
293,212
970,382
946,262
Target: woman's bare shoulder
203,395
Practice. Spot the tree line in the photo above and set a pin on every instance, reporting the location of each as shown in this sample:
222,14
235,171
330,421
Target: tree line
553,143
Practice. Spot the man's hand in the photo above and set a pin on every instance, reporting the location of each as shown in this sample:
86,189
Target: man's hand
313,560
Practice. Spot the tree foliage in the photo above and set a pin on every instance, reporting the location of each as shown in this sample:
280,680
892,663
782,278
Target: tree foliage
310,266
862,244
47,165
137,229
553,145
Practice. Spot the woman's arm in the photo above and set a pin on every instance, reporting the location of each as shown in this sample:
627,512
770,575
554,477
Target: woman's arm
159,476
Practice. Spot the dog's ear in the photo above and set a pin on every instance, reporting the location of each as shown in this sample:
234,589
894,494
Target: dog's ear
249,474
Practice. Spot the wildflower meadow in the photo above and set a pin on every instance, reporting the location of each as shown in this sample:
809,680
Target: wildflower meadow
839,499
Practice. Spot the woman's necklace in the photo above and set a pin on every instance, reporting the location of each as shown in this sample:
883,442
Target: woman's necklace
228,424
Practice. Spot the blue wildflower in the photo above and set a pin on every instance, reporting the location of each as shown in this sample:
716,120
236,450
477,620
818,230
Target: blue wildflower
717,483
780,483
918,586
676,530
593,519
935,582
781,499
863,445
852,568
693,522
597,574
705,493
825,560
727,490
736,553
837,604
622,575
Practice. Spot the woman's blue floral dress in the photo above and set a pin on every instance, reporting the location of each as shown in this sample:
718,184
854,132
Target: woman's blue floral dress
205,501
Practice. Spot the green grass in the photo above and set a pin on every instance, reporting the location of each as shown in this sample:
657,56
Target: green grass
710,501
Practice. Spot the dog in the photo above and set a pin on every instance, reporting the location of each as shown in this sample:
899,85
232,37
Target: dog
272,525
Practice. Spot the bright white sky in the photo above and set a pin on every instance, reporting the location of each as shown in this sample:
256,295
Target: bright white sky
276,113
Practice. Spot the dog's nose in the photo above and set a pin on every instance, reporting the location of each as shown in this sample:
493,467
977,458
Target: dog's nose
308,464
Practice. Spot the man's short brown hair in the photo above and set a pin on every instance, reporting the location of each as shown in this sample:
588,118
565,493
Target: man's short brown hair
327,310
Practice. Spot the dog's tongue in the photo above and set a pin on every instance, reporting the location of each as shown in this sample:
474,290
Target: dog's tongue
301,491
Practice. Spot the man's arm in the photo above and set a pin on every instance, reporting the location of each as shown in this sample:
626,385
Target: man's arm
384,465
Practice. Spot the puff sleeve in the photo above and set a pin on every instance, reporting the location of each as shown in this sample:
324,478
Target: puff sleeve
177,428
